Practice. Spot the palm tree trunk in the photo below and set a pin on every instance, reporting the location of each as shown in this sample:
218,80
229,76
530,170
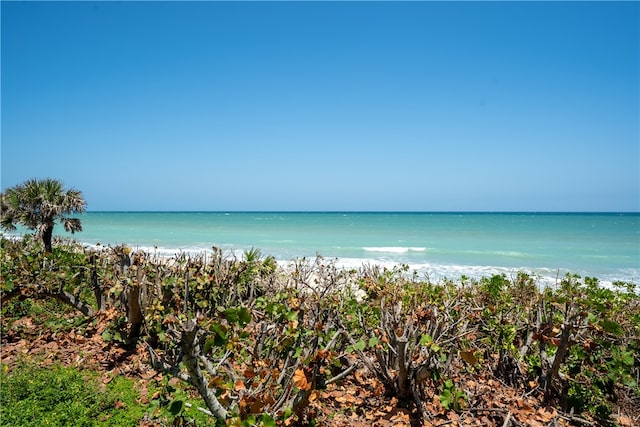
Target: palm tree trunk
47,233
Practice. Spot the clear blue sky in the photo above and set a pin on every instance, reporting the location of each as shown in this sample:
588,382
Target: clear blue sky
326,106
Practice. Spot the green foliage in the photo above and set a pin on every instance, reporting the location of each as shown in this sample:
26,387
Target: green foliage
37,204
451,397
29,271
270,337
69,397
174,405
32,396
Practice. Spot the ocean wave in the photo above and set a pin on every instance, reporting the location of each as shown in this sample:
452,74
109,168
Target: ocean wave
545,277
393,249
511,254
392,256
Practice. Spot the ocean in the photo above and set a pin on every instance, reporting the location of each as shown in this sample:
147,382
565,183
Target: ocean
437,245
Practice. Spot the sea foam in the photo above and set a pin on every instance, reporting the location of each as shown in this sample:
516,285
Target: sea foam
394,249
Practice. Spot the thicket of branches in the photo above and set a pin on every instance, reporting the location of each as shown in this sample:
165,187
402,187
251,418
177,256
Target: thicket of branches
259,343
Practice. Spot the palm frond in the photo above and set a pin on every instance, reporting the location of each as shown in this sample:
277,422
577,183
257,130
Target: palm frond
37,203
71,224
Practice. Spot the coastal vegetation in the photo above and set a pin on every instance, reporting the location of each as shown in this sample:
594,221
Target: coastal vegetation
214,340
37,204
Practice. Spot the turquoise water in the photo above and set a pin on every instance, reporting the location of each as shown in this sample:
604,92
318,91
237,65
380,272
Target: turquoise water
440,245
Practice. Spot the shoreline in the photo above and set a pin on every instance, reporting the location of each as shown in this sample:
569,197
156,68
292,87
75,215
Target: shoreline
435,272
432,272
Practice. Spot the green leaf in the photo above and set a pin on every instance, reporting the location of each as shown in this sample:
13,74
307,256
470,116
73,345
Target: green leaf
360,345
270,308
231,314
8,286
292,316
626,357
611,327
244,316
176,407
374,341
210,342
267,421
106,336
425,339
446,399
220,337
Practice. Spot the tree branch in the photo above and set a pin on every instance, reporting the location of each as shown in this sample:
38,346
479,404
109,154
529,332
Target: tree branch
72,300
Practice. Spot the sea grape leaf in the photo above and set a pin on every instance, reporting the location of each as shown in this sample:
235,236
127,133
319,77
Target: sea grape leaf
8,286
469,357
220,337
210,342
267,421
244,316
446,398
611,327
176,407
425,339
292,316
626,357
360,345
300,380
231,314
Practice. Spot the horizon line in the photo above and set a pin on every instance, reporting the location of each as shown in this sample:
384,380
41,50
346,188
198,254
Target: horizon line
369,211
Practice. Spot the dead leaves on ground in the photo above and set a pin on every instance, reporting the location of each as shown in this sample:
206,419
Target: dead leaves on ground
85,350
358,400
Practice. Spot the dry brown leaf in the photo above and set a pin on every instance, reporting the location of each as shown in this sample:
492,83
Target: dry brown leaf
300,380
625,421
546,414
452,416
469,357
340,399
256,407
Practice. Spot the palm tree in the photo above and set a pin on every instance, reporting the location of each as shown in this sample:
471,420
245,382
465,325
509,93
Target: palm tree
36,204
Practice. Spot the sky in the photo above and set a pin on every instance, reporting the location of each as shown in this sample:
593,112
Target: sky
325,106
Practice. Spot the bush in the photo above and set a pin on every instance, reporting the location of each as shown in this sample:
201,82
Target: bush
259,343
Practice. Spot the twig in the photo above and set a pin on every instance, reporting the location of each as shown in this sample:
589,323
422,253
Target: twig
333,340
576,419
163,366
499,410
199,408
342,374
506,421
